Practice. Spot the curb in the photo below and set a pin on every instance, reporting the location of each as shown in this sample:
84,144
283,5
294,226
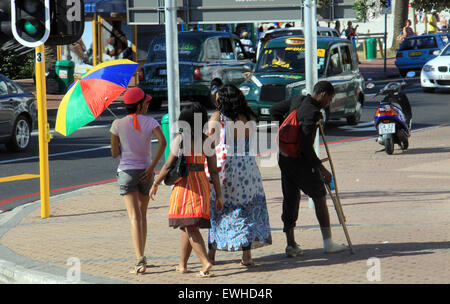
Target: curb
30,273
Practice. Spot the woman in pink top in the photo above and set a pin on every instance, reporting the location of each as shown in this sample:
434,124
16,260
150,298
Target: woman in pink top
131,140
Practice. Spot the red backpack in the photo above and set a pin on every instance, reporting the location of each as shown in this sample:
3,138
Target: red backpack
288,137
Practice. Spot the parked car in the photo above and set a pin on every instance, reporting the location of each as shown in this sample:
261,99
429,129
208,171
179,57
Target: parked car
291,31
436,72
274,81
415,51
206,60
18,115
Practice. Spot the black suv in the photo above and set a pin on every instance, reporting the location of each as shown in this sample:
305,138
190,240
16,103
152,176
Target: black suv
18,115
206,60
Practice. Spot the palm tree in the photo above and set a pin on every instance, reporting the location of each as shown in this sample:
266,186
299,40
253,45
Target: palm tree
401,15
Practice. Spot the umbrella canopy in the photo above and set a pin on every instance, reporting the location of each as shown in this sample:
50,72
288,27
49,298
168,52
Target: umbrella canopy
89,96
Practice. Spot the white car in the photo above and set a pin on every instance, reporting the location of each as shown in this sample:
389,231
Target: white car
436,72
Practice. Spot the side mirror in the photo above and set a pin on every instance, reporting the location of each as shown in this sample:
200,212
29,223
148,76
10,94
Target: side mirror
370,85
248,68
411,74
436,52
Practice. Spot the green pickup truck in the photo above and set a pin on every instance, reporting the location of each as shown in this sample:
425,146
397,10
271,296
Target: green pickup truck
207,59
280,74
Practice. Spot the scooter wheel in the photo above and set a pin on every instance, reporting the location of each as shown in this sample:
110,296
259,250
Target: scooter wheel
389,144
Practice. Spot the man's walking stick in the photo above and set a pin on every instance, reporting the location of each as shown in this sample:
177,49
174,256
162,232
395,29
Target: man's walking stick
335,199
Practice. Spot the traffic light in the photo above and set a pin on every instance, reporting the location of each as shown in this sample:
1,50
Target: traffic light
5,22
30,21
66,22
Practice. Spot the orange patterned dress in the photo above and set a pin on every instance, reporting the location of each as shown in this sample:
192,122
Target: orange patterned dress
190,199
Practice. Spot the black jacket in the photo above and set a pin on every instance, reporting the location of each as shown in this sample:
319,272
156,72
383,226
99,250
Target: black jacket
308,115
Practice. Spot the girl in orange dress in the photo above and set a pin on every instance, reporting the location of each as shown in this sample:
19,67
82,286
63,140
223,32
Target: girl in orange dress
190,198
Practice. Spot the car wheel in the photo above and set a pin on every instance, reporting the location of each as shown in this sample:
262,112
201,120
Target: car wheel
428,90
403,72
155,104
20,139
356,117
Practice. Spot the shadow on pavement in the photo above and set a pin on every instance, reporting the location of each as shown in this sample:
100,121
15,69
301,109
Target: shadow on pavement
363,252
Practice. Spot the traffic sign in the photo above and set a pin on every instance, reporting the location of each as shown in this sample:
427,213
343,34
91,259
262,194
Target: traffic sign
386,7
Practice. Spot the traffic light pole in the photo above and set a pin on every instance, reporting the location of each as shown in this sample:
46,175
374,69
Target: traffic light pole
44,133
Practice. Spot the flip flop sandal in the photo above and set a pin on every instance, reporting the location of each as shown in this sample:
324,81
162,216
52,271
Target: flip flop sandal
248,265
180,271
206,274
141,263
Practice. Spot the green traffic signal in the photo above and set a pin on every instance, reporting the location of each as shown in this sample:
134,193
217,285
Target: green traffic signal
29,28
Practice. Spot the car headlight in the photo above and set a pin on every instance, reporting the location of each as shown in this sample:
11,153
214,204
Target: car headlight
245,90
428,68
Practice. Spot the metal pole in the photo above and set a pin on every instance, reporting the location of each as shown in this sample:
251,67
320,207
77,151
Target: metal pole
311,57
385,40
94,40
44,134
173,84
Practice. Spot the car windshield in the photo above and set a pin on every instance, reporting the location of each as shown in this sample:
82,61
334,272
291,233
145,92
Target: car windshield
446,51
276,34
188,49
286,59
418,43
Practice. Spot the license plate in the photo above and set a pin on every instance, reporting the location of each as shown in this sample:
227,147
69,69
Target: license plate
415,54
386,128
162,72
447,76
265,111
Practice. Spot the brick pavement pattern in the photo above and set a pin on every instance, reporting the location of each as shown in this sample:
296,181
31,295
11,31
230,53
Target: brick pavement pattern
397,209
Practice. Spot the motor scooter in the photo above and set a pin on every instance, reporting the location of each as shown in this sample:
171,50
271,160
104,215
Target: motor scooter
393,117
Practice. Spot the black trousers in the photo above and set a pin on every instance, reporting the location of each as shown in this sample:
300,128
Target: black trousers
297,175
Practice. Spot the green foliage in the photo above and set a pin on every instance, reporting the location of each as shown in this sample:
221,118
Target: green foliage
361,7
17,67
428,5
324,3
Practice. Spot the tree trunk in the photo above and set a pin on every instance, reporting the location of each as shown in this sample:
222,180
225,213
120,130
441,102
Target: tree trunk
400,17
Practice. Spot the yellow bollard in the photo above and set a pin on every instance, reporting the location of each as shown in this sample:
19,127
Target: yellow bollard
43,131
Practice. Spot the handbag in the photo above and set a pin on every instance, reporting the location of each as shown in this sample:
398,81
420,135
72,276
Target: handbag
179,169
221,152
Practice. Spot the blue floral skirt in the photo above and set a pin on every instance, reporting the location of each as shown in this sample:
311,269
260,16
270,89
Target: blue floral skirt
244,219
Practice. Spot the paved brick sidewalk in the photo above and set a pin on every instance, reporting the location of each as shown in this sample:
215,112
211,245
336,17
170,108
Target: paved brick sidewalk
397,209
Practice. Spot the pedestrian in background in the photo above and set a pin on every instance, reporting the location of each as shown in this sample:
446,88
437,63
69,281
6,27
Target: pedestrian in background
131,138
337,27
350,34
247,43
243,223
306,171
407,30
190,198
432,22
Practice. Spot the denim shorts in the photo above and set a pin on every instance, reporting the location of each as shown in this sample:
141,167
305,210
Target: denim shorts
129,182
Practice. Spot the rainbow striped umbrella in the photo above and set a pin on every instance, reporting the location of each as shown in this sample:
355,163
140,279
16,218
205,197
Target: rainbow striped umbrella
89,96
